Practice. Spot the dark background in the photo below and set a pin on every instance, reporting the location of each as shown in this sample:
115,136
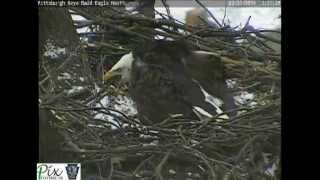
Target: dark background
21,78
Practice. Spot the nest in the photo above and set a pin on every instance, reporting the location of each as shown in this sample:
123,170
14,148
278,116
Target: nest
100,135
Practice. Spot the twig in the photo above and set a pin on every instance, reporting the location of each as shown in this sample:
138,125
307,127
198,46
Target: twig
160,166
212,16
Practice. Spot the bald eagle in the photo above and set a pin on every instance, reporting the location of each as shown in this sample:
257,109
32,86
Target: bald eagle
168,78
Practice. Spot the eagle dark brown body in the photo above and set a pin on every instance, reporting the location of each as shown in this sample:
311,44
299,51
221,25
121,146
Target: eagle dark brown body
163,83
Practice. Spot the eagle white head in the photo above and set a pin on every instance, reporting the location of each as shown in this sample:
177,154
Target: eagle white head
121,68
124,65
199,17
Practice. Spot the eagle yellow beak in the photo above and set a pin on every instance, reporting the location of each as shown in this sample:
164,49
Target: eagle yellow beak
110,74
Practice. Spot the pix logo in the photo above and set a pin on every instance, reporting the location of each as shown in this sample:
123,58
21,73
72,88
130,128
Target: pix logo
58,171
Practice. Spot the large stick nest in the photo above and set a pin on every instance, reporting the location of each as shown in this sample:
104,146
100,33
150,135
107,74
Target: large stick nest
211,149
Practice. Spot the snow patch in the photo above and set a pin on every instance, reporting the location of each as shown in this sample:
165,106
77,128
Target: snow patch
54,52
75,89
231,83
64,76
244,97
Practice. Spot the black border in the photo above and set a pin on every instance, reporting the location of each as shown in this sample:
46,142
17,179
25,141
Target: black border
299,91
284,90
21,83
28,94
